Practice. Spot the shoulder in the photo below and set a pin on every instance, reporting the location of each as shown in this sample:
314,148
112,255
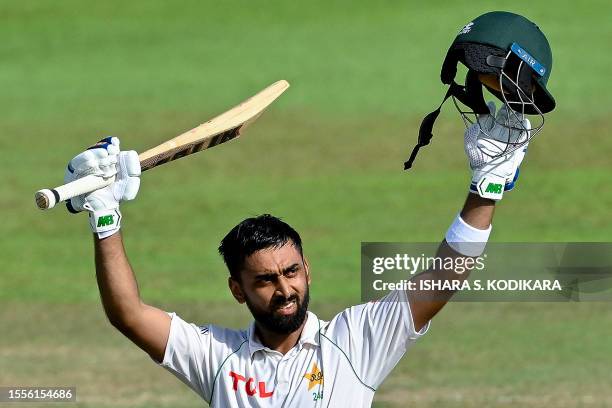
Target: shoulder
382,316
231,338
339,328
345,320
216,336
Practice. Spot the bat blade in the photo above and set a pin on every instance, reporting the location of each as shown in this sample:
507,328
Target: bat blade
223,128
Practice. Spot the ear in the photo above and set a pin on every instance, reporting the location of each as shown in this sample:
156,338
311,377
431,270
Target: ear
234,287
307,267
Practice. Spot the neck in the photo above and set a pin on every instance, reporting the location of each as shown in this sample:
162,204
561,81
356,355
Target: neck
279,342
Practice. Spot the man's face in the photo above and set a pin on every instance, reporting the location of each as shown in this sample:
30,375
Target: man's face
274,285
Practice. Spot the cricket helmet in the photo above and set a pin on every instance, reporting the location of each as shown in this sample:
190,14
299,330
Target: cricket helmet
512,50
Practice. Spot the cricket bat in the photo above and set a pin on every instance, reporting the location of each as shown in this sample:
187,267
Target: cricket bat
221,129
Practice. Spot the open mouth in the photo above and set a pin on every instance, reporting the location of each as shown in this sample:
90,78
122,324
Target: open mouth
287,308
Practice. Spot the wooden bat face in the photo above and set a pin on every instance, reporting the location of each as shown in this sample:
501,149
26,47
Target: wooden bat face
216,131
187,149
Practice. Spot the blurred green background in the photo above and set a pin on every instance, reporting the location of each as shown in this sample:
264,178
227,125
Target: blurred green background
327,157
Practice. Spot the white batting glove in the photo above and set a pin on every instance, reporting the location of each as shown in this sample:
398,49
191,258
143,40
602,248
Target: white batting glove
491,175
104,159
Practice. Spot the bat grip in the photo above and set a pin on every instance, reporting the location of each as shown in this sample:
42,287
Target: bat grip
48,198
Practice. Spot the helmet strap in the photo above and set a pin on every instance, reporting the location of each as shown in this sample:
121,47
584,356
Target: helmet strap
470,95
427,124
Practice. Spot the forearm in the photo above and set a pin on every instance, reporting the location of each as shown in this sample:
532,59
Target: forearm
147,326
477,213
116,280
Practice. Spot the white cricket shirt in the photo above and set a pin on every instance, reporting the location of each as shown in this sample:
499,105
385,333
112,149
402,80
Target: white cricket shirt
335,364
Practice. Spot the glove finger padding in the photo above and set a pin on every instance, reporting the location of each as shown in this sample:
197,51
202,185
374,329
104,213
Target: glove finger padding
130,191
496,151
130,163
98,160
510,128
475,155
128,181
104,159
108,166
487,121
517,158
85,164
111,144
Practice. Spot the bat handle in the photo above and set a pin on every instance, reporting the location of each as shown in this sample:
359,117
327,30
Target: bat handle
48,198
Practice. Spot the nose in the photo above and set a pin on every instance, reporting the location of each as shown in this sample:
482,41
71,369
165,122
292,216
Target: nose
282,287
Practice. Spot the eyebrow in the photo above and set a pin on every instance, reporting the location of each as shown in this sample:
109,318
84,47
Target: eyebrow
268,273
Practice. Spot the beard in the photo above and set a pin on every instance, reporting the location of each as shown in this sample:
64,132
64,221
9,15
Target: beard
280,324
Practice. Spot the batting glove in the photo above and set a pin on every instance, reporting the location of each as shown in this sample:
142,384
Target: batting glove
494,171
105,159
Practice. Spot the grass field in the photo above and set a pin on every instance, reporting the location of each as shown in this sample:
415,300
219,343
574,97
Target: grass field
327,158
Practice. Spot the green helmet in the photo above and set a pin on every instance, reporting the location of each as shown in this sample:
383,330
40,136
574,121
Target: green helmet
516,53
502,42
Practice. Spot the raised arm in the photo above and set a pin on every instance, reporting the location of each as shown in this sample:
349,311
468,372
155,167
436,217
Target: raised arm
494,160
477,213
145,325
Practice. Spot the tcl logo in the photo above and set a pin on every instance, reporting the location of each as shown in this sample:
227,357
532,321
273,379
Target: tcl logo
249,385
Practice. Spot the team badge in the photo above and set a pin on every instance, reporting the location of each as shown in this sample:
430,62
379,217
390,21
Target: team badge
314,377
467,28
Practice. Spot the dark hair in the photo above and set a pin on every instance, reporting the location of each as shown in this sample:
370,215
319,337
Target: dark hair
252,235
